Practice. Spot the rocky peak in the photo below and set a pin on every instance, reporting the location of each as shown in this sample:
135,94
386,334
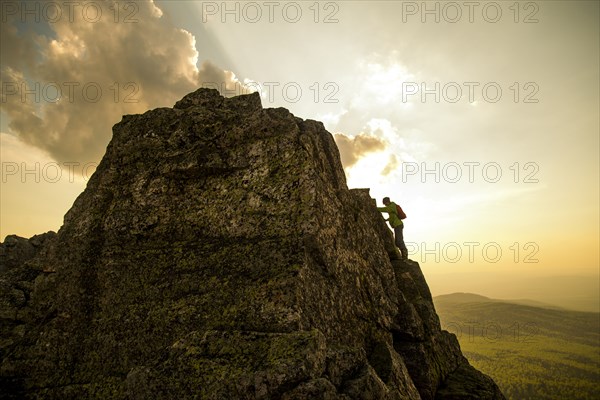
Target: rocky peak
211,99
217,253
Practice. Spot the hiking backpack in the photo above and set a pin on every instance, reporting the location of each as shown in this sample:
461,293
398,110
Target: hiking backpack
400,213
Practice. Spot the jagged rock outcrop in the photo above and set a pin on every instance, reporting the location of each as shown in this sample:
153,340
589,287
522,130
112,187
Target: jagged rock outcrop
217,253
16,250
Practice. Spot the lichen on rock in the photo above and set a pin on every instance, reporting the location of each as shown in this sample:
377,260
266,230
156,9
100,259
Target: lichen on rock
217,253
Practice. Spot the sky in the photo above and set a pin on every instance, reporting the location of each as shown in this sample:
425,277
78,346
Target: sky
481,119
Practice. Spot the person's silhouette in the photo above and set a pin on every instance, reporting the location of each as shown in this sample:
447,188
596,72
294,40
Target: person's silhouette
396,224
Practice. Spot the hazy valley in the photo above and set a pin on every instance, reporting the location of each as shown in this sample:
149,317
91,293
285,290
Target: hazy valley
532,352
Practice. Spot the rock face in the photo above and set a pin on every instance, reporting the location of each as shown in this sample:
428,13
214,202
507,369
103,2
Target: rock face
15,250
217,253
16,285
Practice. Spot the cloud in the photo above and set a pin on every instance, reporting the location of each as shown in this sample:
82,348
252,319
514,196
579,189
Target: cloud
224,81
382,82
64,88
18,48
391,165
12,150
354,148
375,156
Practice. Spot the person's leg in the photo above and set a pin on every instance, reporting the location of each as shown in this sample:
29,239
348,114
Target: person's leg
399,236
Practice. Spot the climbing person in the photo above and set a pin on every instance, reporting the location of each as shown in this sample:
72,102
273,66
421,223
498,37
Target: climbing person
395,217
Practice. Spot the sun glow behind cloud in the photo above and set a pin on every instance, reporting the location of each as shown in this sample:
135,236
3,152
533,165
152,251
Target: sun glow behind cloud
382,84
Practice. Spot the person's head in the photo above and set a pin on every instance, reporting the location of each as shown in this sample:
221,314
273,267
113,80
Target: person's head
386,200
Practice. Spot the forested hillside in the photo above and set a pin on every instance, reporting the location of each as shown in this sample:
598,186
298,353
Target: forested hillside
531,352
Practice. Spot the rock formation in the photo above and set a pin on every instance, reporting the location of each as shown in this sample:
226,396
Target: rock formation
217,253
15,250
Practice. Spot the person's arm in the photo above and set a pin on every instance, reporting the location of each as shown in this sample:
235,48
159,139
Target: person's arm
390,208
384,210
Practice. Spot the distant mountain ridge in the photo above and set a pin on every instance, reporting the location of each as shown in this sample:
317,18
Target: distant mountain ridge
461,297
571,290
